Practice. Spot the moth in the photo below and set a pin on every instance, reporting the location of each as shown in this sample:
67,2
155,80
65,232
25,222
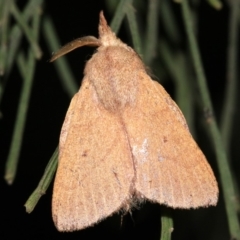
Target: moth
124,140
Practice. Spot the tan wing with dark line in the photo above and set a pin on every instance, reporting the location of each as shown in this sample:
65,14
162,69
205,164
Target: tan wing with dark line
95,164
170,167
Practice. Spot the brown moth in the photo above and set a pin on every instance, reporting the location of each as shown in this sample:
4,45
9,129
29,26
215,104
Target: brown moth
124,140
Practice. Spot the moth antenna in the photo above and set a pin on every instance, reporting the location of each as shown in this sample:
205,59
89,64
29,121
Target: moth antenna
79,42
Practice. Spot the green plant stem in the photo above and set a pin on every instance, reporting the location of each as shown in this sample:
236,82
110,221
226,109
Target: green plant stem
169,21
4,19
166,223
22,66
231,87
119,14
44,183
215,3
179,71
111,5
27,31
150,43
62,66
16,32
223,164
12,160
14,42
131,17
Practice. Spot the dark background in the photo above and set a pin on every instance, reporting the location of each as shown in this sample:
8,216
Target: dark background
47,109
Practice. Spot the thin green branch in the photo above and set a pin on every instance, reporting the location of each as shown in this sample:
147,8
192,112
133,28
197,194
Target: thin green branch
223,163
44,183
4,28
27,31
231,87
166,224
16,32
119,14
14,42
62,66
22,66
169,21
111,5
12,160
132,21
150,43
215,3
178,69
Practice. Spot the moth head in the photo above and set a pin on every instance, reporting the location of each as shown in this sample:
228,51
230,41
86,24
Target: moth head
106,38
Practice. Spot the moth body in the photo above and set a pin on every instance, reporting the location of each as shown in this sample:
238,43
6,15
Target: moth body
123,141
